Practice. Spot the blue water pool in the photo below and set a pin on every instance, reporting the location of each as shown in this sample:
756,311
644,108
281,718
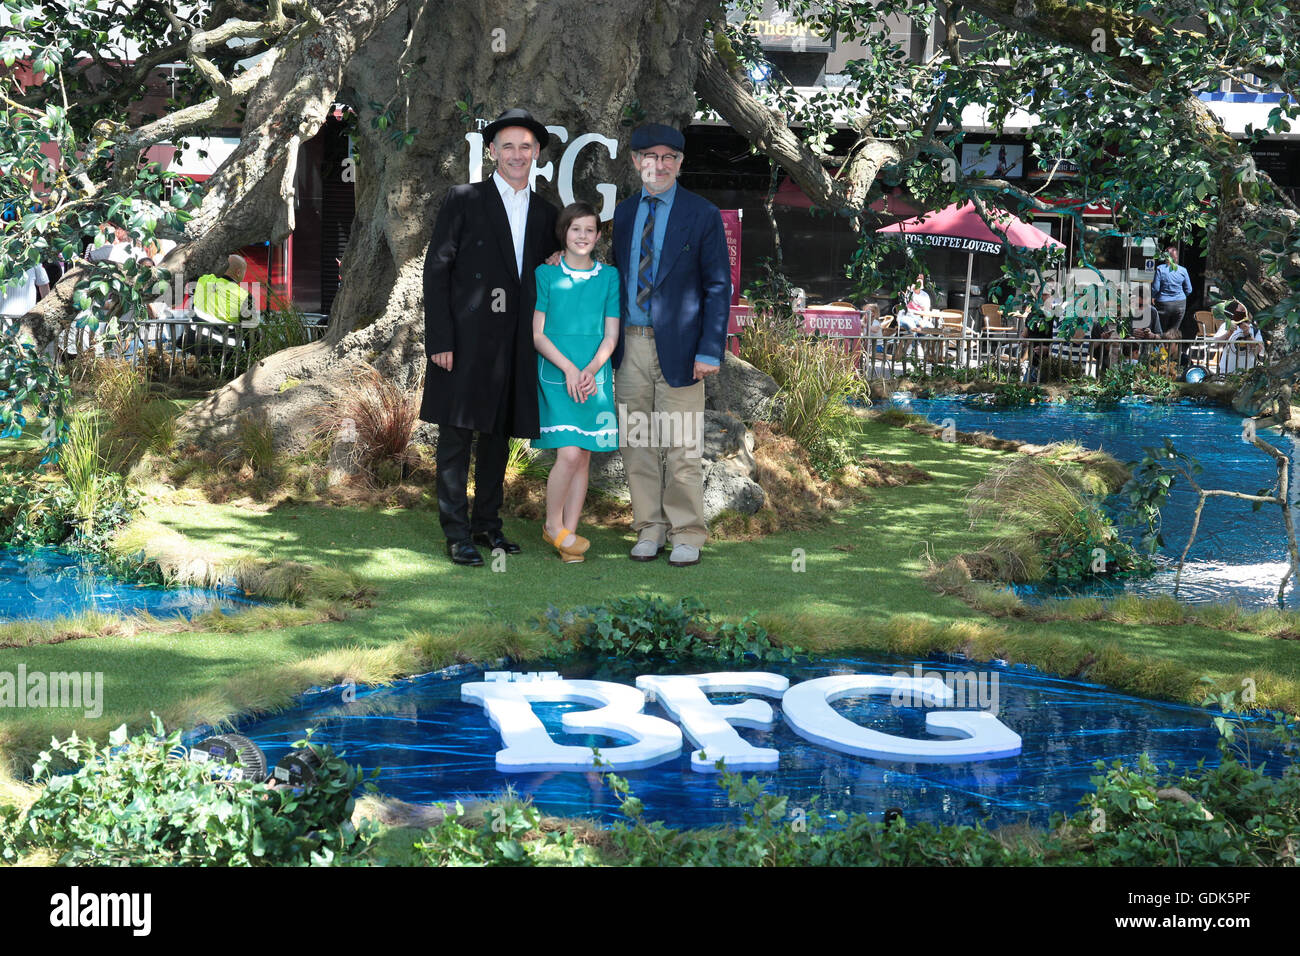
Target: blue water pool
46,583
430,746
1239,554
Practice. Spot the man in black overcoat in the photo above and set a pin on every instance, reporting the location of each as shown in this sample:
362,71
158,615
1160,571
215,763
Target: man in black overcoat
479,295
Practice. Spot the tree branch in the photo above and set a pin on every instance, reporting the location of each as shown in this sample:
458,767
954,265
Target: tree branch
767,130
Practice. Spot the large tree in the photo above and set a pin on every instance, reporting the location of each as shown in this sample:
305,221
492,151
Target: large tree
1113,86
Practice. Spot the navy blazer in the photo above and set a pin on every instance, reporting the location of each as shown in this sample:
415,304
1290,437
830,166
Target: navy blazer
691,297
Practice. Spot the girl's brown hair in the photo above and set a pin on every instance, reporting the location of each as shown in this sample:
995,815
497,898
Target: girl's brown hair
575,210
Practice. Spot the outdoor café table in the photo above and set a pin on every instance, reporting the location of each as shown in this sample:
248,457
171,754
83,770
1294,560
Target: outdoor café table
929,334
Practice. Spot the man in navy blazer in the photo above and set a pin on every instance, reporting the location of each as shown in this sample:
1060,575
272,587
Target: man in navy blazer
675,278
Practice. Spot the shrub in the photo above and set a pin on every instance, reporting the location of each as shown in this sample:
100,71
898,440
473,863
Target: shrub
1011,395
640,627
817,377
503,839
33,512
281,327
117,387
521,460
1232,815
83,508
253,444
128,803
1048,509
1124,379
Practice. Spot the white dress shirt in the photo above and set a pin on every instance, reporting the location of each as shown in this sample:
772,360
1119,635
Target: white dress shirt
1235,358
18,296
516,203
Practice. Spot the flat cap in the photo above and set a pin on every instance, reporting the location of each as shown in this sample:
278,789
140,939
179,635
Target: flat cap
657,134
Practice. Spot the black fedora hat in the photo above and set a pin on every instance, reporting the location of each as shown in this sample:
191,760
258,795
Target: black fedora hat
517,117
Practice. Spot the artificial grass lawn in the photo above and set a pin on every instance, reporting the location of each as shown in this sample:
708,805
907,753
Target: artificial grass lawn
861,588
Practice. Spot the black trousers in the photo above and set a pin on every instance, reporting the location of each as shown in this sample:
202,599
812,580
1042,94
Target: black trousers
1168,315
453,480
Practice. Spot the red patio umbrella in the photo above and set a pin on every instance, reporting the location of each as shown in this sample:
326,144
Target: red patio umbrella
961,228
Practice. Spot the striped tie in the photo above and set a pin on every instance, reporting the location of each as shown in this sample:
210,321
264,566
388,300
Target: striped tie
645,272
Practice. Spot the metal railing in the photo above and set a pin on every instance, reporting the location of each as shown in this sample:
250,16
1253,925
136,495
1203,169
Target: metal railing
180,343
1007,357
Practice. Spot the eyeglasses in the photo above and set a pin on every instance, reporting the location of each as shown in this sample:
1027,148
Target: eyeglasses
667,159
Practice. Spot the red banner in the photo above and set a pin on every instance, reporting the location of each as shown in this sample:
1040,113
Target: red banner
731,225
832,323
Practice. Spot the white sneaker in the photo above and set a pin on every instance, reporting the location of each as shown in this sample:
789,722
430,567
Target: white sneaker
646,550
684,555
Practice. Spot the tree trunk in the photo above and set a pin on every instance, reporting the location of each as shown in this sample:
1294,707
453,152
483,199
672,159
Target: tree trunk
579,64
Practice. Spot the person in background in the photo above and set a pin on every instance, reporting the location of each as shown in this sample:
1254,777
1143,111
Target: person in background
224,298
1244,343
911,318
218,300
119,249
1169,291
916,301
20,294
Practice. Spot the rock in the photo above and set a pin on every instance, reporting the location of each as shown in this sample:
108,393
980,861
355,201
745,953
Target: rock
741,390
727,490
724,435
425,434
608,475
728,462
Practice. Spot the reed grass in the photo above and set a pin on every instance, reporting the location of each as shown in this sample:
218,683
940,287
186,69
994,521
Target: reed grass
376,414
253,444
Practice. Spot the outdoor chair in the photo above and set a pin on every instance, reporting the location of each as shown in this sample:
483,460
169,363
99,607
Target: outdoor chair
992,314
996,336
224,338
882,343
1205,350
956,332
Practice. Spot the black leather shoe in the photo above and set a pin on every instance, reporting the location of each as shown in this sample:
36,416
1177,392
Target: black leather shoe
495,539
463,552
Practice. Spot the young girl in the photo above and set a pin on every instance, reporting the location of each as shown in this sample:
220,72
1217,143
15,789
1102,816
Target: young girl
575,329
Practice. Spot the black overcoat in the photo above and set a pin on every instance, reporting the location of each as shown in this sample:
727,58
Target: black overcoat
478,308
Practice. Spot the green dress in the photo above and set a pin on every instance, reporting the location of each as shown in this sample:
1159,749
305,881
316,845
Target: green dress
576,303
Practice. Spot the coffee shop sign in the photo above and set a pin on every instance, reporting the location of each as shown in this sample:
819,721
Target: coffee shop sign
564,182
957,243
507,699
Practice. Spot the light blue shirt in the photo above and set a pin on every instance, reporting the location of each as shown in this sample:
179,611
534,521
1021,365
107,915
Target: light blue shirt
635,314
1169,283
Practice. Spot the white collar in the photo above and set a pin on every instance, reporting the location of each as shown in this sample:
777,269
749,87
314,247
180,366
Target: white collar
507,191
579,275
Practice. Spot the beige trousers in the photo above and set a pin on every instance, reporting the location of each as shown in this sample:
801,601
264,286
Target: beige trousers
665,474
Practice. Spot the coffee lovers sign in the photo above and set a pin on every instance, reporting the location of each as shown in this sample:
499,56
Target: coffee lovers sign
507,699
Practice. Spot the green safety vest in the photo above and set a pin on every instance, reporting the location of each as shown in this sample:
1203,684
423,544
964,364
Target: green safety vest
219,298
